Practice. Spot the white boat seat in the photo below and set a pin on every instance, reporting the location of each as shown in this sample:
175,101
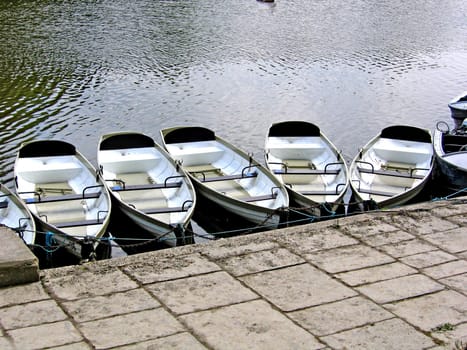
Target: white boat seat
52,173
196,155
307,172
259,198
78,223
319,193
131,162
296,150
228,177
165,210
66,197
410,153
409,175
377,193
145,186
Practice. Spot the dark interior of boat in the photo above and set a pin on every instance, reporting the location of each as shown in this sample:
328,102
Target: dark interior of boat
294,128
407,133
132,140
46,148
454,143
189,134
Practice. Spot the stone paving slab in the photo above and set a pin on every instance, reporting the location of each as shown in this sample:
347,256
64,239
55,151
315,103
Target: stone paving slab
445,270
251,325
339,316
201,292
89,282
22,294
169,268
259,261
297,287
376,274
367,225
419,222
44,336
458,282
430,311
386,238
5,344
179,341
20,316
386,335
348,258
453,241
400,288
94,308
304,242
226,247
428,259
406,248
130,328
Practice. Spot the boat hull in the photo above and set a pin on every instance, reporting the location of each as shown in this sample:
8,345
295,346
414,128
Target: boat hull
451,168
306,162
227,176
393,168
148,186
15,215
264,217
65,194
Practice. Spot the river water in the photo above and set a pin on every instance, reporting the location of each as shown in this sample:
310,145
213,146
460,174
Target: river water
75,69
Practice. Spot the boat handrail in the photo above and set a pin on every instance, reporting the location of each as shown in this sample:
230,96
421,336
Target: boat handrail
66,197
410,171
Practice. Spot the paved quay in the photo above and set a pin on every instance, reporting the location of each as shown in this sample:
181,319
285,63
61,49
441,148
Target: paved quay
384,280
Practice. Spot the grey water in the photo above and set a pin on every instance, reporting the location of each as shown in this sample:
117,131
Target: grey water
76,69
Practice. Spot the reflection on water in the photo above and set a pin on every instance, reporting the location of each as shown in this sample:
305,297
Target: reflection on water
77,69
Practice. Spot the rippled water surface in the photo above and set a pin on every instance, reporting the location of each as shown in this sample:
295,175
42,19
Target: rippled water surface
74,69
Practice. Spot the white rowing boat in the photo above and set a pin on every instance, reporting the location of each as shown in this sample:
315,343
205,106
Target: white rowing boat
227,176
450,148
149,187
64,193
393,167
308,164
15,215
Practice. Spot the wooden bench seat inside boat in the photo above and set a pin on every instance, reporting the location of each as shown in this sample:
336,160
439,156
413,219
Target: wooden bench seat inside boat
259,198
377,192
289,171
409,173
77,223
66,197
209,173
150,186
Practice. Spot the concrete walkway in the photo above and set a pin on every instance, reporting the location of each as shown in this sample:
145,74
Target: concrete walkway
388,280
